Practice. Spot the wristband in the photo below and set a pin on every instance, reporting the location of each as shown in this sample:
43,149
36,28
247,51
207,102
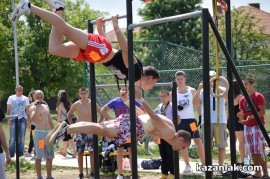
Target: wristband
141,99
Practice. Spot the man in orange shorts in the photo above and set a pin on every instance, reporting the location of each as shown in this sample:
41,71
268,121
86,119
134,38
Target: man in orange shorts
83,46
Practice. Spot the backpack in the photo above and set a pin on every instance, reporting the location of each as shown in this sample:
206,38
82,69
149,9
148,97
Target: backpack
151,164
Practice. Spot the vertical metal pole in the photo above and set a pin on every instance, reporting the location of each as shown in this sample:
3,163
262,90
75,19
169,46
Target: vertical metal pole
15,48
230,94
92,89
174,111
17,147
206,92
131,72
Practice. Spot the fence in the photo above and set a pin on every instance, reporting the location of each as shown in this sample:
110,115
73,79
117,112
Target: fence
169,58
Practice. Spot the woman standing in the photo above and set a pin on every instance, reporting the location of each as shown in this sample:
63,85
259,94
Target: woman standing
31,126
239,128
62,107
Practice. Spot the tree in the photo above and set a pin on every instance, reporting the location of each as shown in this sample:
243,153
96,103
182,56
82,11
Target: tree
181,32
248,38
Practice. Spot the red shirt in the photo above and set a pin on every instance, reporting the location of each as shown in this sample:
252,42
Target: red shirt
258,100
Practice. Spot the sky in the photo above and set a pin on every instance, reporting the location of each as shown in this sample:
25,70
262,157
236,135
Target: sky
119,7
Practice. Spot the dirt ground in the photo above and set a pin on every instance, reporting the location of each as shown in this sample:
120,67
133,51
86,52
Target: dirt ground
71,174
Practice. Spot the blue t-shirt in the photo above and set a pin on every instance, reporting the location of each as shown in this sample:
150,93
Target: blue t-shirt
119,107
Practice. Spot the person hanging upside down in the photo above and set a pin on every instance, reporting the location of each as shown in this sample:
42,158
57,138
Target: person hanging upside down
156,125
85,46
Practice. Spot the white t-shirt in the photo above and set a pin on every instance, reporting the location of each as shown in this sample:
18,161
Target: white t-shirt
18,105
167,110
213,114
185,100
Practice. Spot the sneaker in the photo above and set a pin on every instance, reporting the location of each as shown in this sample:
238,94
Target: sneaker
187,169
56,4
120,176
22,8
40,177
80,176
56,134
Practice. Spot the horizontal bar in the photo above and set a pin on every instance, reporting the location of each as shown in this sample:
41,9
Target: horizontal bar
109,19
166,19
121,85
11,117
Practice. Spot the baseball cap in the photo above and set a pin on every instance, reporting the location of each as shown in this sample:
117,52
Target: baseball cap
212,73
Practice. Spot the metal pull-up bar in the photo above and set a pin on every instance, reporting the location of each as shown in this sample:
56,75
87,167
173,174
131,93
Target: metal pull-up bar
166,19
109,19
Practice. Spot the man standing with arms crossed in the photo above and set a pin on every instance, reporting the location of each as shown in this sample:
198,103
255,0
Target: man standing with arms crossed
187,119
255,145
119,108
40,115
17,104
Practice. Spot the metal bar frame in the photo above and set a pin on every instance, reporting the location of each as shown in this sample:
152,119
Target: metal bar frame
166,19
123,85
230,94
206,92
131,72
108,19
93,108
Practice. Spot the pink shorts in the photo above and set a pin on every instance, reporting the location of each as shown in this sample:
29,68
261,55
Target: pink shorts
255,143
98,49
122,125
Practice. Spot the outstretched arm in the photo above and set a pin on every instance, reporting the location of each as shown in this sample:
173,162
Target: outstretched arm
122,41
100,25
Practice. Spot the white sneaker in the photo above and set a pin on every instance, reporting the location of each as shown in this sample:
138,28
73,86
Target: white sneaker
187,169
22,8
56,4
119,176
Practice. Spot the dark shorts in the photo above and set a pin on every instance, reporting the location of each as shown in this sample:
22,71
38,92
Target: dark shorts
84,140
185,125
67,136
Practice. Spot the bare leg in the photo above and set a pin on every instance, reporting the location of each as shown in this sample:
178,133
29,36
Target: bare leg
101,129
60,29
80,162
92,164
257,160
200,149
241,139
49,167
184,154
221,156
38,167
120,160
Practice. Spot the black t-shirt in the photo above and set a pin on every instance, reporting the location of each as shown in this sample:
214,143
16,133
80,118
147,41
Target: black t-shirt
2,116
118,68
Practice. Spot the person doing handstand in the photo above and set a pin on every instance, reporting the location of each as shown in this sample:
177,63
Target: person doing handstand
156,125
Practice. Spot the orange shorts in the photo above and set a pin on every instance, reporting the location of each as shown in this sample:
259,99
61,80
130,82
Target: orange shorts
98,49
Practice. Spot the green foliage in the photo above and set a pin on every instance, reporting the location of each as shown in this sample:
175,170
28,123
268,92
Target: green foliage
24,165
182,32
248,38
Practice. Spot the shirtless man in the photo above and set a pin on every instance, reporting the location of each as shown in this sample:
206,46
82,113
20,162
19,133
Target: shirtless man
82,108
40,115
156,125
